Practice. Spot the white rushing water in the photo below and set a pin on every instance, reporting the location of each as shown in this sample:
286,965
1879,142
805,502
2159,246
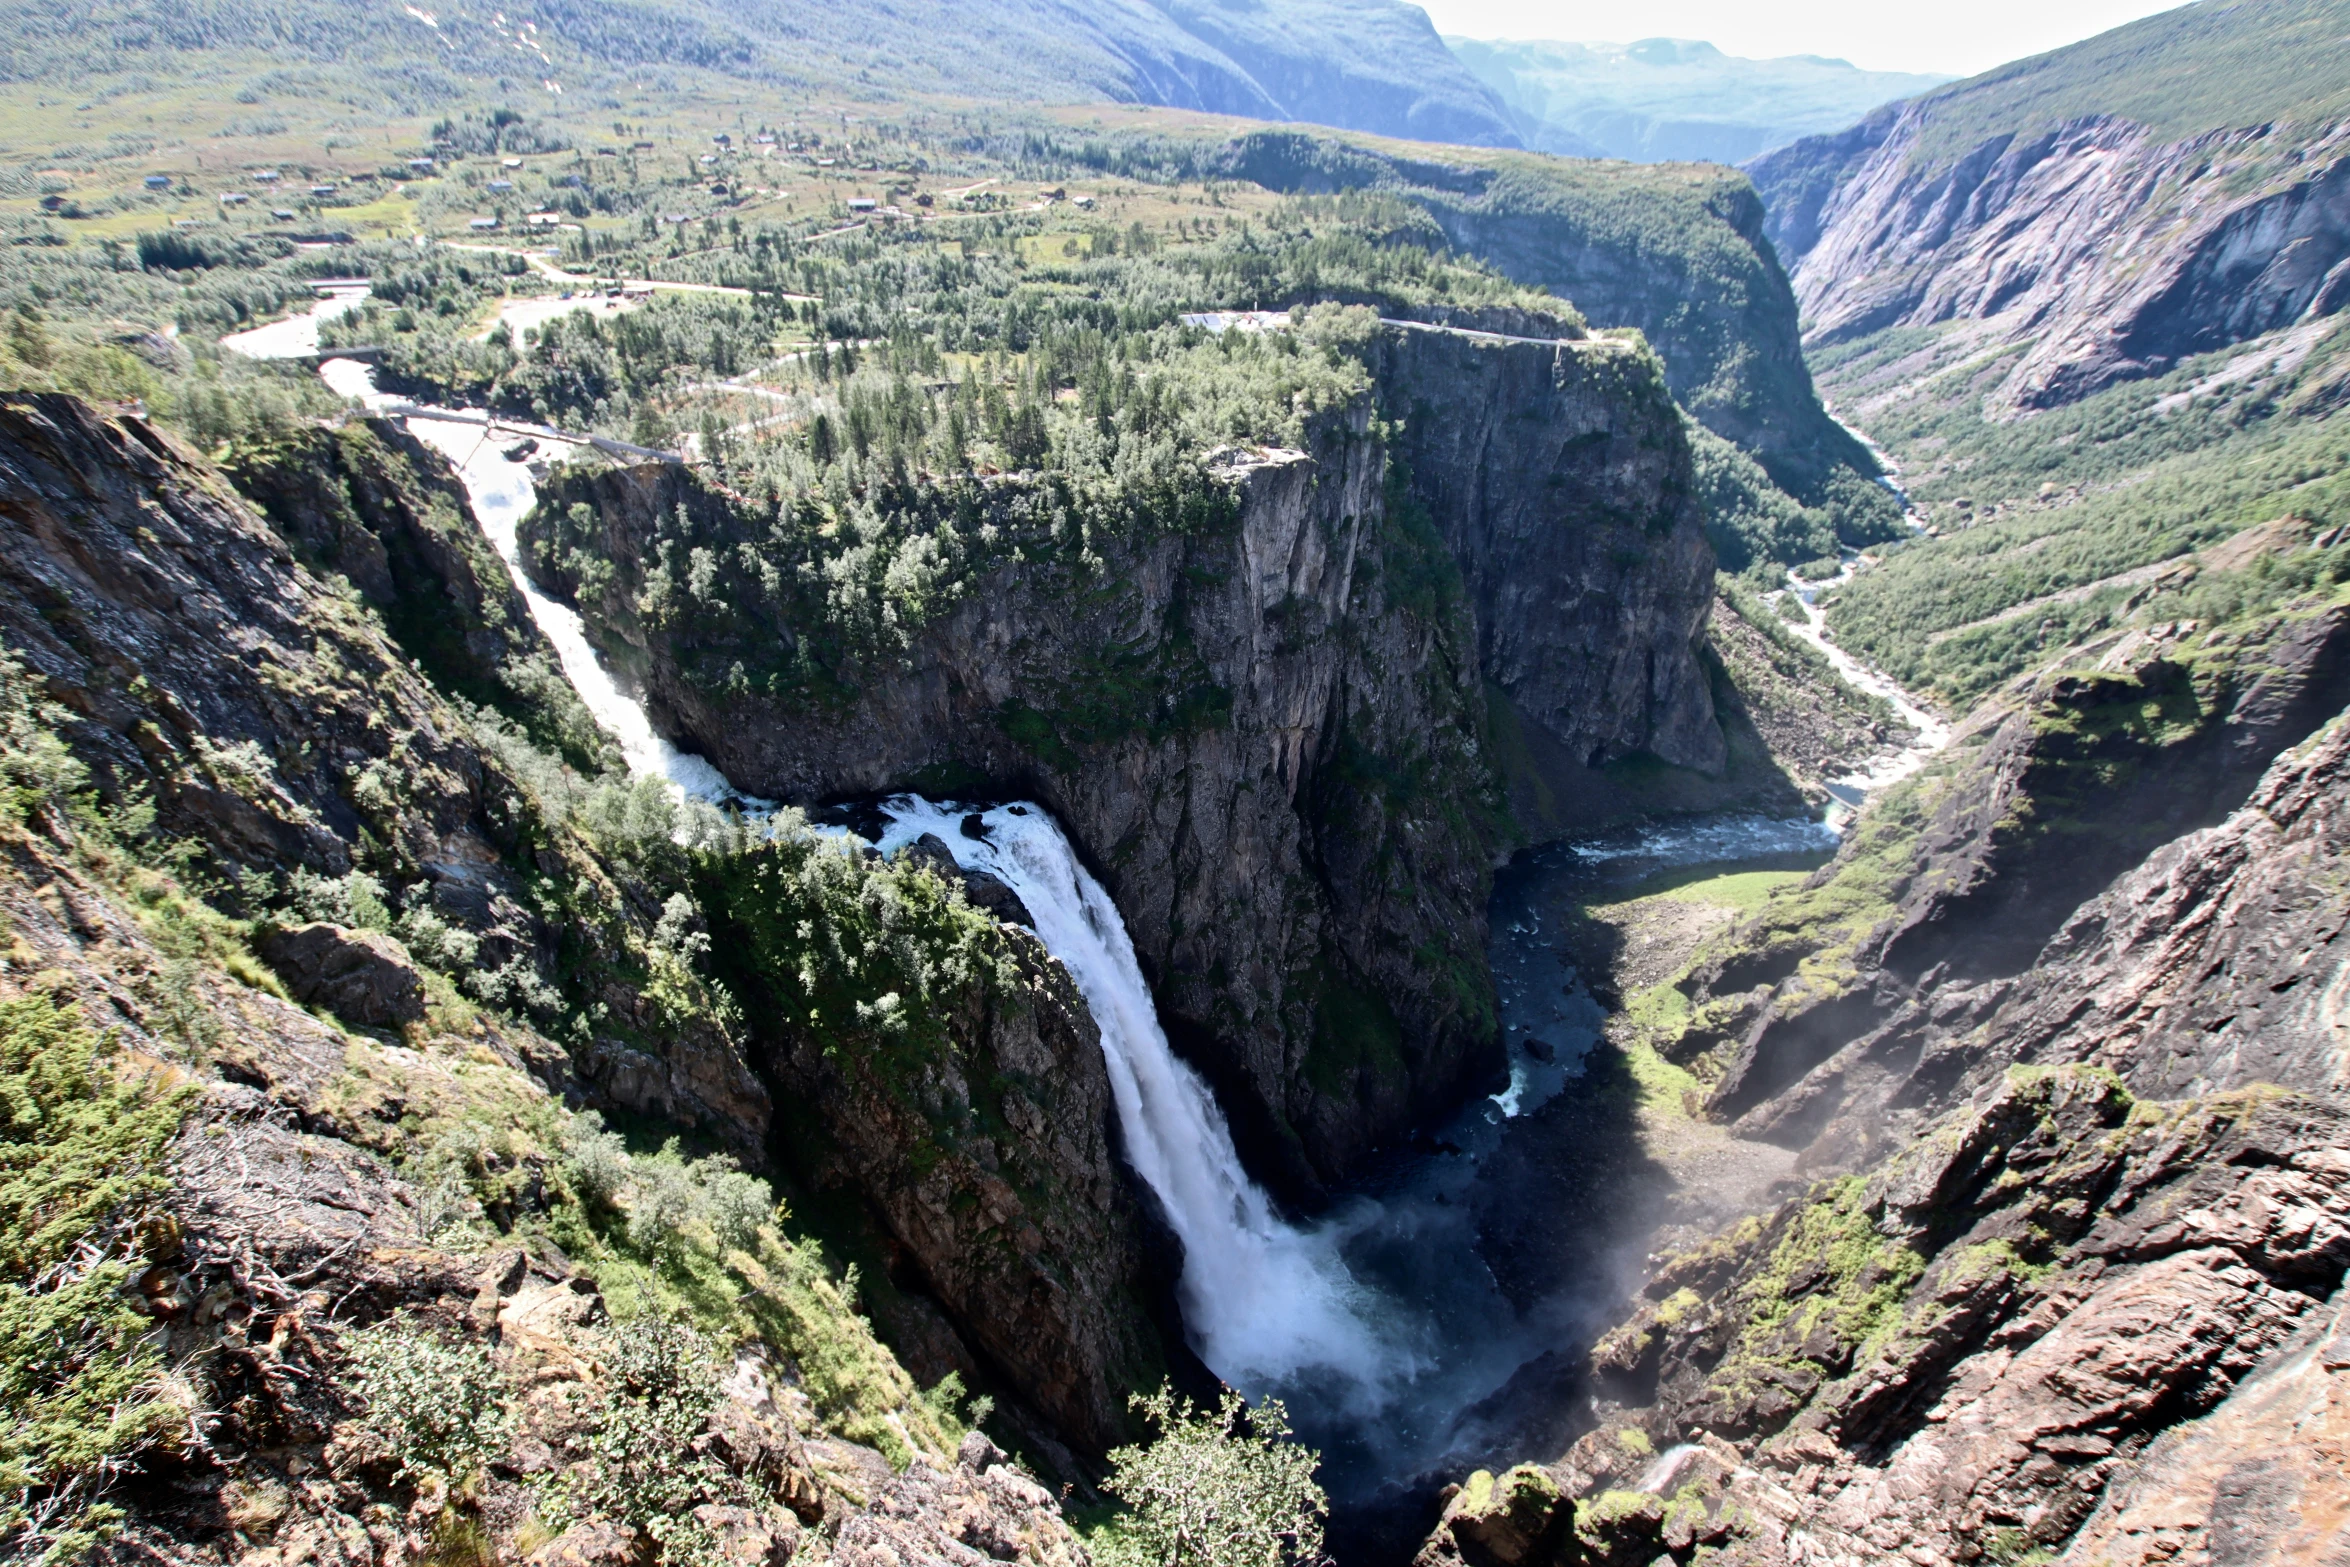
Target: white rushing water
502,493
1932,731
1264,1301
296,337
1270,1306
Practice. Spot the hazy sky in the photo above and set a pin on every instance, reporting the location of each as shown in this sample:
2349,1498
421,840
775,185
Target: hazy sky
1884,35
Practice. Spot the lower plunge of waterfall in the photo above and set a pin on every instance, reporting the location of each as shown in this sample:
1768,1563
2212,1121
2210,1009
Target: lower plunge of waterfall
1431,1319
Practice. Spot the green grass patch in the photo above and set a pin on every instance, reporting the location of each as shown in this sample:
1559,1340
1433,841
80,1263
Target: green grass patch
1665,1089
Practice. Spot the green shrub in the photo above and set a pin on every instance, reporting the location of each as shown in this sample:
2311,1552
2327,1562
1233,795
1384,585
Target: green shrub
36,768
1218,1488
82,1153
639,1439
436,1407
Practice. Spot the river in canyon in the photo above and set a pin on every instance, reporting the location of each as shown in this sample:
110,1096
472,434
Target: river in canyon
1430,1318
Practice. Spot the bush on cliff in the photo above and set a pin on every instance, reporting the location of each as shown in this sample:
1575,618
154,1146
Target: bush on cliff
81,1388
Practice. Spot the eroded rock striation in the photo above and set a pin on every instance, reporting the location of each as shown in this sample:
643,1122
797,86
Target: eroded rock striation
1985,912
2054,1040
1993,1339
2103,248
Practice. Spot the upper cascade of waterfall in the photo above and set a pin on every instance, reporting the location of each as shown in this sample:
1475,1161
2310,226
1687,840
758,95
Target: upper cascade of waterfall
502,492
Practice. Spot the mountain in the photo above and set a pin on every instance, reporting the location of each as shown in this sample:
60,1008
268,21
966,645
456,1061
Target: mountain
1373,65
441,1121
1663,99
2162,190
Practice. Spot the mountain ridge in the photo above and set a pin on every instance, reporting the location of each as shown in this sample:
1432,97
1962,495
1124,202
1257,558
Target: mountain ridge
2069,208
1668,99
1357,64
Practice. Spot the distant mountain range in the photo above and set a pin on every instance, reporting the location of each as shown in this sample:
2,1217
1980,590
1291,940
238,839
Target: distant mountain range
1373,65
1364,65
1665,99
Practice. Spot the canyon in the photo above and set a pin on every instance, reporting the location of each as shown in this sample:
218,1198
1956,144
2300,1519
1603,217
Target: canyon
1313,767
1281,771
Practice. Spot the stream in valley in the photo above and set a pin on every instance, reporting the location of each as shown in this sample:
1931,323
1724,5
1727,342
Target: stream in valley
1429,1319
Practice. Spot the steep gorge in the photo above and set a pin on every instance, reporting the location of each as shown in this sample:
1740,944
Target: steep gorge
2053,1044
1268,722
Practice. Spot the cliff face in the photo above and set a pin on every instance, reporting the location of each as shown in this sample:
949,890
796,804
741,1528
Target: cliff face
286,739
2055,1040
1597,650
1264,732
1999,1343
2054,803
985,1146
2101,248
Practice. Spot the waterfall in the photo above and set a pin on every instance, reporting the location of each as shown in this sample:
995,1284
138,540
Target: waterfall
1264,1301
502,493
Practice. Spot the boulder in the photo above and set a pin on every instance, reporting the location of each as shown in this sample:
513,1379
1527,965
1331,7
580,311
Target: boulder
358,975
748,1537
981,890
595,1543
1511,1521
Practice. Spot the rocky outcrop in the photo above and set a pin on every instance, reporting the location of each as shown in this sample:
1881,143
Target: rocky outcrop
2216,964
285,738
2058,1030
2102,249
2223,1486
360,976
984,1507
295,1212
1980,914
278,730
988,1160
1967,1353
1263,732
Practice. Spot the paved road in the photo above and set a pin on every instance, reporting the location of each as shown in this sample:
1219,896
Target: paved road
547,269
493,422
